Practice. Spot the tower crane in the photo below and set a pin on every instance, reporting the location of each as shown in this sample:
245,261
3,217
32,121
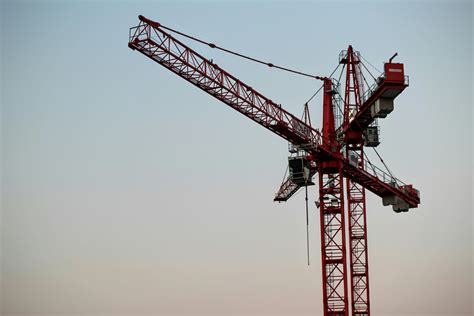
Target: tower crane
335,154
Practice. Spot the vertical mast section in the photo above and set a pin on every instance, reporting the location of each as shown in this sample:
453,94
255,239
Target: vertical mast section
355,192
333,246
359,264
352,94
332,222
329,128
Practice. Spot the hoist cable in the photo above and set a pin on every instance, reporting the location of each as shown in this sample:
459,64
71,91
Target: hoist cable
307,223
337,91
371,64
368,71
370,163
317,91
340,110
332,73
365,80
284,176
340,75
212,45
383,162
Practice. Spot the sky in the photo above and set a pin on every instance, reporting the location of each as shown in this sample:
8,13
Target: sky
128,191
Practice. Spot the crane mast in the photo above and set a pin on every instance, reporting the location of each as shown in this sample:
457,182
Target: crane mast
332,215
356,205
333,153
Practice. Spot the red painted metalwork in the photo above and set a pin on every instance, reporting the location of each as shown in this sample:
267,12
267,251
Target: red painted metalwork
331,208
323,150
394,72
288,188
150,40
359,265
157,44
333,239
356,205
329,128
386,86
352,91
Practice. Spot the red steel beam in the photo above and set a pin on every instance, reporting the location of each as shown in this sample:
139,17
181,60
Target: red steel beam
333,240
356,206
155,43
364,118
358,248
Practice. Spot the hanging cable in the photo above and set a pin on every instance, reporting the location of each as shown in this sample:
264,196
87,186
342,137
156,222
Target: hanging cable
380,72
363,77
307,223
332,73
212,45
340,75
284,176
370,163
337,91
317,91
340,110
383,162
368,71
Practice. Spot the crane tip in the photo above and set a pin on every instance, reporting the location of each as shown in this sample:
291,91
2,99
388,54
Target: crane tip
148,21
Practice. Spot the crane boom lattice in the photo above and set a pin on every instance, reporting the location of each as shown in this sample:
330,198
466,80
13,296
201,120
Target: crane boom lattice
333,154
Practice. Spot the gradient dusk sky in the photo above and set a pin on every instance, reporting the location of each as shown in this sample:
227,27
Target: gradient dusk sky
128,191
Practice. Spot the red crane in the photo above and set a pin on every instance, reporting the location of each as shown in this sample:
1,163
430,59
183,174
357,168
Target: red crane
333,154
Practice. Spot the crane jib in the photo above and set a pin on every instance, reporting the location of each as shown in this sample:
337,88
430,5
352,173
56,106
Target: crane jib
157,44
334,154
188,64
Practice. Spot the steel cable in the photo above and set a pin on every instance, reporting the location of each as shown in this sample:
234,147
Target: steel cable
212,45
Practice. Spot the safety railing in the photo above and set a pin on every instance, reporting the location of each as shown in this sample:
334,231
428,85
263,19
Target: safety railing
382,175
378,82
343,55
374,171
